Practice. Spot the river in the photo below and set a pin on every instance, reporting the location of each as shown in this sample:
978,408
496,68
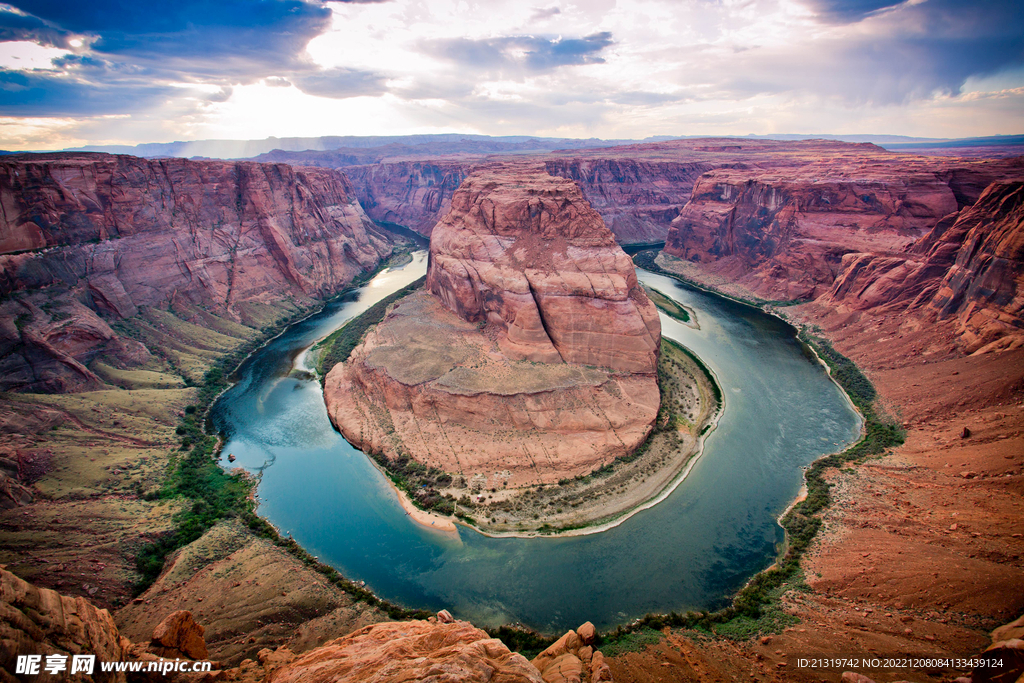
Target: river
690,551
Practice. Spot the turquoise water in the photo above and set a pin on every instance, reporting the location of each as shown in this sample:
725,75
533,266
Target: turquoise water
690,551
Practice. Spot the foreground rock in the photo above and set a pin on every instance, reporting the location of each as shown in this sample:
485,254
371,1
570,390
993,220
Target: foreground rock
88,239
531,359
41,621
410,651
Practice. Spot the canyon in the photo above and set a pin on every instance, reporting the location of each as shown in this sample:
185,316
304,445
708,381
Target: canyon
124,279
89,239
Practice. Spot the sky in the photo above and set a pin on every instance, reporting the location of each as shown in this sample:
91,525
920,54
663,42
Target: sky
125,71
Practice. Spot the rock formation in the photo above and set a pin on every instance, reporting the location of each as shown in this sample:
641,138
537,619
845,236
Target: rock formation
90,238
572,658
968,268
410,651
526,252
785,233
781,227
39,621
533,359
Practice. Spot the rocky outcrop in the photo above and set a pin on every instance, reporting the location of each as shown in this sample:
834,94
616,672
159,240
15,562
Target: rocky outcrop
91,238
573,659
179,635
532,358
39,621
410,651
969,268
638,199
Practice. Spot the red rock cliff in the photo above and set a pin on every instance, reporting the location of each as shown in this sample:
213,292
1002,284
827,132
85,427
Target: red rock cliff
783,233
968,269
637,198
112,233
413,194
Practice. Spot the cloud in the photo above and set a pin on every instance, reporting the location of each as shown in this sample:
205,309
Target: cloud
909,53
540,14
849,11
129,55
340,83
262,31
17,25
514,53
45,93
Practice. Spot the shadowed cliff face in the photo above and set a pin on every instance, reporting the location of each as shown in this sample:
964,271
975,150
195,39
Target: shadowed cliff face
413,194
637,199
969,268
91,238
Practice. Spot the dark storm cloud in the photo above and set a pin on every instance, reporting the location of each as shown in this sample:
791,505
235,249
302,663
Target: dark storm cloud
48,93
259,31
538,53
340,83
17,26
134,47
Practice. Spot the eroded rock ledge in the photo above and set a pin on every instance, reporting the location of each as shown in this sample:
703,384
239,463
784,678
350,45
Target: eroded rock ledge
532,358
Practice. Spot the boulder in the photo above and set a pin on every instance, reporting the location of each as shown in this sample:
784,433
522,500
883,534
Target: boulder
179,635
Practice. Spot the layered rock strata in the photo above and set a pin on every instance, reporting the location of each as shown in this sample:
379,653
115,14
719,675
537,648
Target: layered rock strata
532,357
637,198
968,268
784,234
90,238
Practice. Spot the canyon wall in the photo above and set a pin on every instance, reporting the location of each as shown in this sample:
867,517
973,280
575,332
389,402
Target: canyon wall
531,359
637,198
969,269
413,194
782,232
88,239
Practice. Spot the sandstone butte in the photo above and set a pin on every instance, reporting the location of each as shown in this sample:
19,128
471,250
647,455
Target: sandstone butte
531,357
88,239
